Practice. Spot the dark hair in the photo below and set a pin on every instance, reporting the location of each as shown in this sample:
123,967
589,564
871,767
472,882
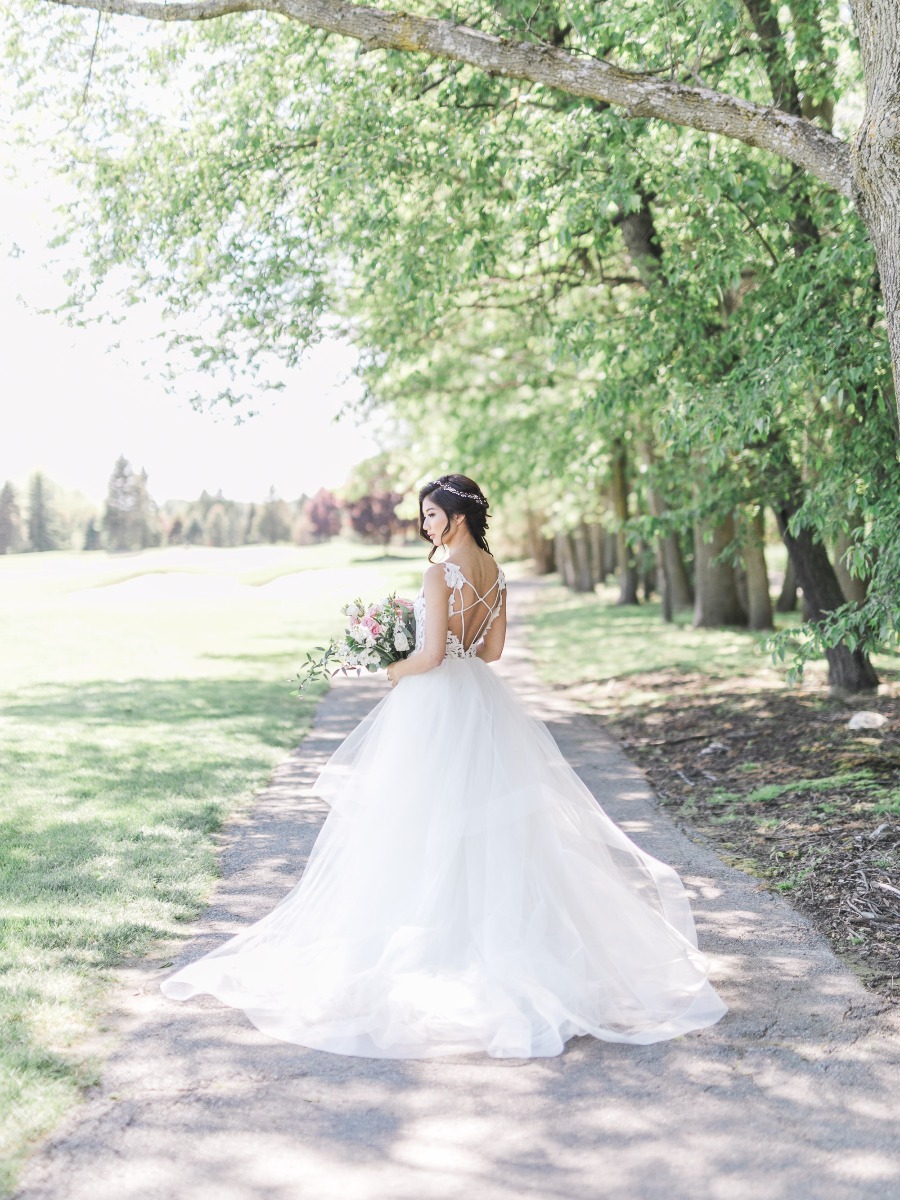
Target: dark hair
456,494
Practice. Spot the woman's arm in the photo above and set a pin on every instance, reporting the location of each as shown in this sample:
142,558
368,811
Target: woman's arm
437,596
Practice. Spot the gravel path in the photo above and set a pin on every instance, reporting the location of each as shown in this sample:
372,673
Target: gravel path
794,1094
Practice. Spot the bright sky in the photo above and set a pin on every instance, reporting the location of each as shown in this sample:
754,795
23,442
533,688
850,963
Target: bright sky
69,405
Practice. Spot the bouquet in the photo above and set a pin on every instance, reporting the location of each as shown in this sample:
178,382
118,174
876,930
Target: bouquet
375,637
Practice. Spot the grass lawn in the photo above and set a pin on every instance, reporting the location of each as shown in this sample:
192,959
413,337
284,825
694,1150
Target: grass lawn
143,698
772,774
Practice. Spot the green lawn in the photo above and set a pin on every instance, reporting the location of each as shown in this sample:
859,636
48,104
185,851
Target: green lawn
587,638
143,698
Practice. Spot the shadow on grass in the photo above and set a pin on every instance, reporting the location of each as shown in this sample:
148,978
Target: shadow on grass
266,710
110,793
618,641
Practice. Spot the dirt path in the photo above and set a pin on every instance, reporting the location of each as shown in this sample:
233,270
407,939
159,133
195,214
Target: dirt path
794,1094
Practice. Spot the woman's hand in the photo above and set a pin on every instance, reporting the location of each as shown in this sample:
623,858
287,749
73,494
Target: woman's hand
392,673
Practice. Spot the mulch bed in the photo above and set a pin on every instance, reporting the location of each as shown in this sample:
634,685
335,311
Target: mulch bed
784,789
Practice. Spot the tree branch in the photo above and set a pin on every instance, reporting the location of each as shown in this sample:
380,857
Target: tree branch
787,136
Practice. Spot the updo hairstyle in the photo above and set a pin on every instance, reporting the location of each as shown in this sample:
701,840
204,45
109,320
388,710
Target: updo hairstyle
456,494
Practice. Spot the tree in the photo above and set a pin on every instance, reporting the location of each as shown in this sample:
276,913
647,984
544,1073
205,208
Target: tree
130,518
175,531
324,514
537,274
10,521
274,522
374,517
871,176
215,527
118,513
91,535
41,519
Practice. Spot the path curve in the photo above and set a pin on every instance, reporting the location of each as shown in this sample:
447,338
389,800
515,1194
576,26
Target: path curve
793,1095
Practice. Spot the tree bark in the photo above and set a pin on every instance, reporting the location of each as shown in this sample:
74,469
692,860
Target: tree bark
848,670
581,553
854,589
759,601
648,572
627,568
596,537
565,560
610,555
787,598
675,584
717,601
540,547
876,154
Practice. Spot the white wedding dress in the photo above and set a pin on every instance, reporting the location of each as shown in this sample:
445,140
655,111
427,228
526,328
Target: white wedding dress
466,893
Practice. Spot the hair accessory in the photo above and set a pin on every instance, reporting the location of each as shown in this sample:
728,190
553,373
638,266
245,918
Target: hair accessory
448,487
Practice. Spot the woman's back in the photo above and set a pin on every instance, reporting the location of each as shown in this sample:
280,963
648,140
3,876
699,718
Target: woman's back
477,595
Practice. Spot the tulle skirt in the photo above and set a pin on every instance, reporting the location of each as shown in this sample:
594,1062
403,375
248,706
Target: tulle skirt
466,893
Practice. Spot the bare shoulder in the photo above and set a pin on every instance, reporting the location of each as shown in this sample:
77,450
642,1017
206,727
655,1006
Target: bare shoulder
435,576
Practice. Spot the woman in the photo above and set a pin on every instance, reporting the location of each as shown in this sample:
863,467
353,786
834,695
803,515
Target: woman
466,892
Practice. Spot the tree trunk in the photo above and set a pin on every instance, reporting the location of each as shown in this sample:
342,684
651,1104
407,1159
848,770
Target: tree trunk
648,573
759,601
540,547
596,536
565,560
787,599
876,153
853,588
674,583
610,555
680,581
581,553
665,588
627,568
717,601
848,670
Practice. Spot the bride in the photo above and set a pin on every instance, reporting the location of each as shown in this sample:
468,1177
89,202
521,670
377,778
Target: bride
466,892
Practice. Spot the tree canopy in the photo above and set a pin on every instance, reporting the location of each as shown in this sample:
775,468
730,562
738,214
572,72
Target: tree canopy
545,284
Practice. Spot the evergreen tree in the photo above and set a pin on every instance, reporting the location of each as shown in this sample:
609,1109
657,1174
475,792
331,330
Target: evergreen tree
131,519
250,527
194,535
41,528
10,521
118,517
215,527
91,536
275,522
145,521
175,535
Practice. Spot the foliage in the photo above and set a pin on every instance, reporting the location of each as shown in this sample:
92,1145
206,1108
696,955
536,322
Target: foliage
10,521
532,278
130,518
376,635
42,519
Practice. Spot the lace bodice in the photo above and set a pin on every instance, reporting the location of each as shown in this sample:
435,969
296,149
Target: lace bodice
455,580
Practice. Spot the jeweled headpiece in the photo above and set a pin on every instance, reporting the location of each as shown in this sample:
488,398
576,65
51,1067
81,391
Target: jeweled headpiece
448,487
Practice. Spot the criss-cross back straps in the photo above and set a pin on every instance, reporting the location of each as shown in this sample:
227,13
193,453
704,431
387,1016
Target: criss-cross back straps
455,579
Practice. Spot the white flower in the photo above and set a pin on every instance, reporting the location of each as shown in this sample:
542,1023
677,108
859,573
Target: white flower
353,611
401,641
